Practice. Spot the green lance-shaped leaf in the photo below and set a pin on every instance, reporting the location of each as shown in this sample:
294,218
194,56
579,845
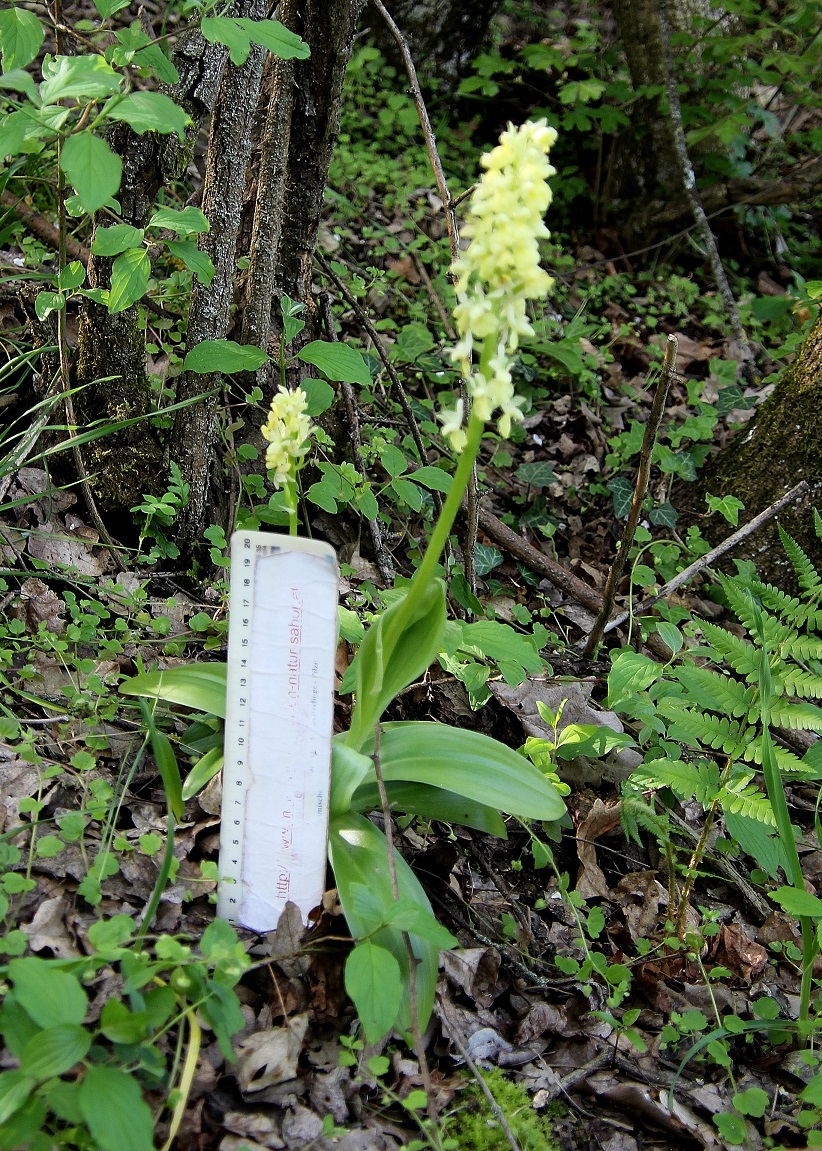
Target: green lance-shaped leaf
374,981
92,168
167,764
129,279
15,1088
338,362
469,764
432,803
223,356
202,773
238,34
359,857
112,1105
45,993
55,1051
21,35
82,78
398,647
348,770
199,685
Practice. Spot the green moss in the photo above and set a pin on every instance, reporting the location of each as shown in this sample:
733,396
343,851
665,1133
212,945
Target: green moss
474,1127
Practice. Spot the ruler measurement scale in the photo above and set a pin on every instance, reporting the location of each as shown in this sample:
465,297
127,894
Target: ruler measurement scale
279,715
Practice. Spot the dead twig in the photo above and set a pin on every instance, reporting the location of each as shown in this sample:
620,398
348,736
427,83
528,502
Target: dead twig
640,488
396,382
689,185
452,1031
39,226
705,561
419,1046
384,560
427,131
449,207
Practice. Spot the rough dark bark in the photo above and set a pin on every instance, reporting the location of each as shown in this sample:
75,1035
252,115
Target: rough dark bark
111,354
111,348
195,431
649,165
297,137
781,446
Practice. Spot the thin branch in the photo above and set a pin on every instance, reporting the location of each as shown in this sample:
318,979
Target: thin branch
396,382
455,1037
640,489
689,184
384,560
427,131
449,207
705,561
419,1046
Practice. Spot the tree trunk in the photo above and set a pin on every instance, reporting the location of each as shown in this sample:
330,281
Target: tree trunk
781,446
195,432
111,348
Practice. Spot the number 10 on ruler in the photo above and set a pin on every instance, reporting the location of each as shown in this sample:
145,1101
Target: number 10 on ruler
279,717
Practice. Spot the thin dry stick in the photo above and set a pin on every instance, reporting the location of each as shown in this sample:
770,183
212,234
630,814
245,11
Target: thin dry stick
384,561
419,1047
640,488
472,493
689,184
497,1111
396,382
705,561
427,131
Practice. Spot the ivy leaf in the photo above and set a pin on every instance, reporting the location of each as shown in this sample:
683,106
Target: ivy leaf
151,112
93,169
413,341
536,475
21,35
338,362
486,558
727,506
623,493
129,279
223,356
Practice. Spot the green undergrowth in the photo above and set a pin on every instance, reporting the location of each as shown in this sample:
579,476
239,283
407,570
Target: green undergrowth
473,1126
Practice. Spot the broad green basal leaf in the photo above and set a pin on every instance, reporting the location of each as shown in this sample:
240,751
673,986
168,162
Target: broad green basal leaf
468,763
199,685
431,803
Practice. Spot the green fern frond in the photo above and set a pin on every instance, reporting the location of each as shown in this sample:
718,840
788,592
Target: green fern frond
700,729
749,802
728,648
806,574
804,647
796,716
786,761
787,607
715,691
817,524
699,781
740,599
794,681
636,814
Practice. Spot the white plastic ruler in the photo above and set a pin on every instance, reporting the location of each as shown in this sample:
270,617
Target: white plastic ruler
279,716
